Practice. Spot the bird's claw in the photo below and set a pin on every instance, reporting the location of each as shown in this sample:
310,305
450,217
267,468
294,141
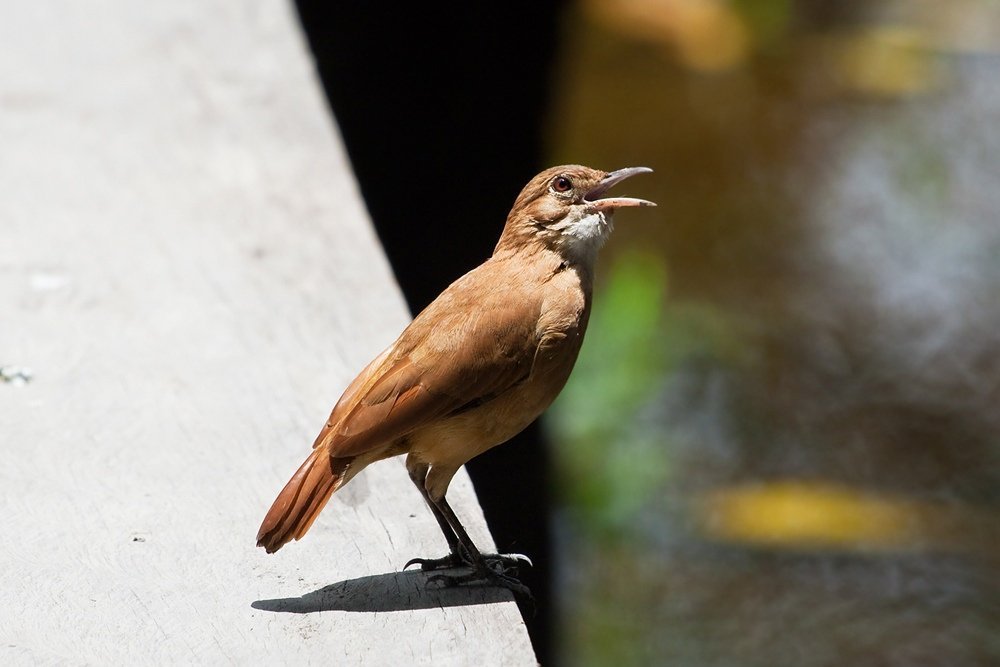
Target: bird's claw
429,564
457,558
513,560
506,563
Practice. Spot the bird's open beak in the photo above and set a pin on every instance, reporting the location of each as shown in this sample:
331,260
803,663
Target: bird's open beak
595,203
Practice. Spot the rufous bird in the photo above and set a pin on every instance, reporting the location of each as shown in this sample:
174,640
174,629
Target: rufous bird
478,365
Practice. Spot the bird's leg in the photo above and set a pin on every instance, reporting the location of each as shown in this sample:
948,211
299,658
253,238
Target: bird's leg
499,569
456,557
463,553
489,568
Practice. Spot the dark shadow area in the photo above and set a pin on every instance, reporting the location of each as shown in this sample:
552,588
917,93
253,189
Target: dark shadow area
441,110
392,591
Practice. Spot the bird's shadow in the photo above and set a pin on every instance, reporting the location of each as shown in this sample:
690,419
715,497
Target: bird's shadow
392,591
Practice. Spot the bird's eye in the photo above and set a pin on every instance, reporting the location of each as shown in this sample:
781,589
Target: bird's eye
562,184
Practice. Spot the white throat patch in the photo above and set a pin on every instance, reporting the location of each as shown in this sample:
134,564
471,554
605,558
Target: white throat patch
582,234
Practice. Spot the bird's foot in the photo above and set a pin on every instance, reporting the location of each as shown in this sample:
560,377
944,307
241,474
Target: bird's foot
492,570
503,563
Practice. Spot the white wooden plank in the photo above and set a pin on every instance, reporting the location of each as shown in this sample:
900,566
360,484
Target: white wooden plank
187,268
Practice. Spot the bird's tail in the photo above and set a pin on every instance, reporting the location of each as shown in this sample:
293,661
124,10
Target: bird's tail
302,499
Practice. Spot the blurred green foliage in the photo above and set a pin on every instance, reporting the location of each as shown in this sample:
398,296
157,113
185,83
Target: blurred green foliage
610,457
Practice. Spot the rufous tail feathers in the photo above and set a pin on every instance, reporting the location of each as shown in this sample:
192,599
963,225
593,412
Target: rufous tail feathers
302,499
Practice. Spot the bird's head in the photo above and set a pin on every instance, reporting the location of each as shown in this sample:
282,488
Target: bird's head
564,208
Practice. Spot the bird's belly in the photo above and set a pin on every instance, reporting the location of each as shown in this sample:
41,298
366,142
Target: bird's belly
457,439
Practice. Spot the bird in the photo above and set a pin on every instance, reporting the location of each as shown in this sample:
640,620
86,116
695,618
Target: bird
474,368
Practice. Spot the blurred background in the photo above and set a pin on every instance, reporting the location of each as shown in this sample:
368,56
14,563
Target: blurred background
781,443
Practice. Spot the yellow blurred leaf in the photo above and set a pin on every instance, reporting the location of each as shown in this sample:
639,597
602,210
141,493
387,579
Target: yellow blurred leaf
708,35
809,514
886,61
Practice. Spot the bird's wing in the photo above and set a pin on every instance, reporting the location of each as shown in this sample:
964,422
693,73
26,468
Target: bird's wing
464,360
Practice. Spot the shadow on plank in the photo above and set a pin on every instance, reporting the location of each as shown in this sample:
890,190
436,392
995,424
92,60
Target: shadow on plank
392,591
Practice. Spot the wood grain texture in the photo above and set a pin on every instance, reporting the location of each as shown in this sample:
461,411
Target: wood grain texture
187,267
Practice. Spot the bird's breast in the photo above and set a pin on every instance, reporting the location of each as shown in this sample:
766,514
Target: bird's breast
558,336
